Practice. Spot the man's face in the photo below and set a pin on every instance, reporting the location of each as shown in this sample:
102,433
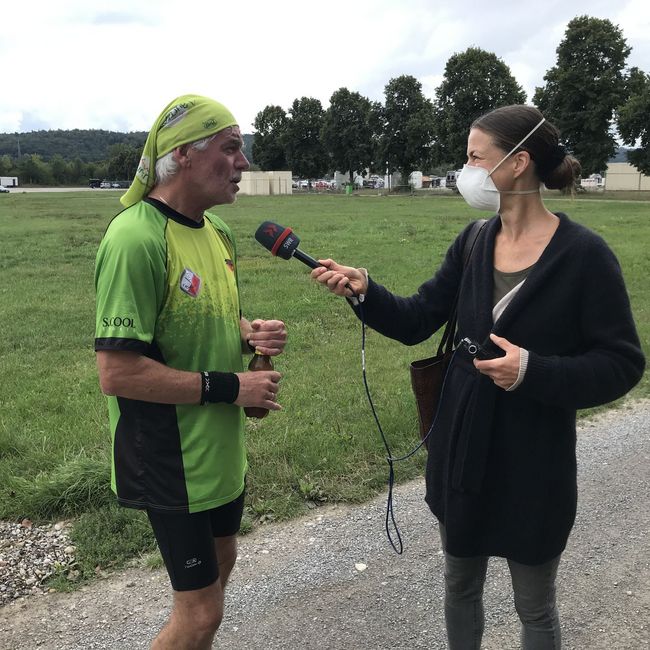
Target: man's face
217,169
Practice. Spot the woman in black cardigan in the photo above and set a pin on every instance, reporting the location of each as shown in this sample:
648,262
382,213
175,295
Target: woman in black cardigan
545,296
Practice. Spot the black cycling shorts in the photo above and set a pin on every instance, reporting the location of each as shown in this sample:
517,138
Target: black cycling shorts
186,542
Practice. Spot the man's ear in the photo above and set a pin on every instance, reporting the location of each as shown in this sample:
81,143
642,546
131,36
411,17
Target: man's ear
182,155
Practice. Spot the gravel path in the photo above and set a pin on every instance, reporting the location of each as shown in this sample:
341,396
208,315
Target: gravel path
331,581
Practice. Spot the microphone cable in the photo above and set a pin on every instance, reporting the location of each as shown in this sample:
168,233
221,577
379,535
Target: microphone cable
390,459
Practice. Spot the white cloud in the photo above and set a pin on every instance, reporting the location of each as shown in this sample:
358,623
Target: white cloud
84,64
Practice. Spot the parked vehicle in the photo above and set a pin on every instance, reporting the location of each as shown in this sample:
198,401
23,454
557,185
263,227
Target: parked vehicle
450,180
105,185
3,189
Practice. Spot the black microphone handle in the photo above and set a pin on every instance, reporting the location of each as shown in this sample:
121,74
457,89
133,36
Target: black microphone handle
306,259
310,261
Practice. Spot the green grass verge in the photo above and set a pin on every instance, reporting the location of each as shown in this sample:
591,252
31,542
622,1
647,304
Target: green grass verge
323,447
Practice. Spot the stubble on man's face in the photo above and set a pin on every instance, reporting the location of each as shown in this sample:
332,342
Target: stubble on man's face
221,166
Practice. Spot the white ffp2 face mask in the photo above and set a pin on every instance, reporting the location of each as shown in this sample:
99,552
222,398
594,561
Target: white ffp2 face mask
477,187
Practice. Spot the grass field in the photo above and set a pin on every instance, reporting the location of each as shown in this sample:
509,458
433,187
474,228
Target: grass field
54,438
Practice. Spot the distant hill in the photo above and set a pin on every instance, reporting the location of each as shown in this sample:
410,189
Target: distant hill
90,145
619,156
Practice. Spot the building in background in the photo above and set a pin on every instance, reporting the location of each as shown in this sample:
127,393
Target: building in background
623,176
265,183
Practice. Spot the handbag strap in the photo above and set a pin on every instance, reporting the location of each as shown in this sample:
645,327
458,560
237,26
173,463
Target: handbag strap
447,340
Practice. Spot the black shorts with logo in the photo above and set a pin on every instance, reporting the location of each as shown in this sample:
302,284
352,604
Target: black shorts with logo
186,542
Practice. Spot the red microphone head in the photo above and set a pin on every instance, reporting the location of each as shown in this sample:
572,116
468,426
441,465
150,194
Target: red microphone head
279,240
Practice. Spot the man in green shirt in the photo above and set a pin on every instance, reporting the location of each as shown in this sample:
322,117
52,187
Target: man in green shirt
169,342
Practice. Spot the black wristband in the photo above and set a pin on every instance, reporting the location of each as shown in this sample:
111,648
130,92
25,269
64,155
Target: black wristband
219,387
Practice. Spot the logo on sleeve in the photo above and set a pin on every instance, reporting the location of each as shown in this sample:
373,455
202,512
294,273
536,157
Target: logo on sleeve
190,283
118,321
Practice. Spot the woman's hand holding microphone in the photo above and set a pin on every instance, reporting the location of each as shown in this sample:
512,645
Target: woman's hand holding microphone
335,277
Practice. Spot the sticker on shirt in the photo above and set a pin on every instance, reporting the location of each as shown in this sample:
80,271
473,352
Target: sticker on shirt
190,283
230,265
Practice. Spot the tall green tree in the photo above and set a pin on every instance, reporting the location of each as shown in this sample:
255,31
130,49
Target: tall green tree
269,139
475,81
407,126
59,170
123,161
585,87
634,119
347,132
304,148
377,126
81,172
7,165
33,171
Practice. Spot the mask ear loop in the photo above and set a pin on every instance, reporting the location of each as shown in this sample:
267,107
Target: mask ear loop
519,144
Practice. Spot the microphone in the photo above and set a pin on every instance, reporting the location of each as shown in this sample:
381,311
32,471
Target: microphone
283,242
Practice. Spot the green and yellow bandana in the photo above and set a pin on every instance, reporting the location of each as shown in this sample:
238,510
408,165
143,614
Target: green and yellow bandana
186,119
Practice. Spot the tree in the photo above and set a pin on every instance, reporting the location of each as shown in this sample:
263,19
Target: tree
80,172
123,161
304,148
59,170
347,132
377,124
32,170
634,121
475,82
7,166
585,87
407,126
269,139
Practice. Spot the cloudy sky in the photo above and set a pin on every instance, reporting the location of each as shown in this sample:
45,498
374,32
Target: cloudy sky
115,64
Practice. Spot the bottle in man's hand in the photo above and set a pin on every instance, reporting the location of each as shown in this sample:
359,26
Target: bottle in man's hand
258,362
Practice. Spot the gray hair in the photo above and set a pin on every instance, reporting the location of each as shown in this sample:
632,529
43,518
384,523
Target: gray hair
166,166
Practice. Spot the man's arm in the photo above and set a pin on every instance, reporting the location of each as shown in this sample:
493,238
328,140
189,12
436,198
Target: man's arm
134,376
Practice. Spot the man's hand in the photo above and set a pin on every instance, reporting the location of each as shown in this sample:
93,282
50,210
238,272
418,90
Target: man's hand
268,336
504,370
259,388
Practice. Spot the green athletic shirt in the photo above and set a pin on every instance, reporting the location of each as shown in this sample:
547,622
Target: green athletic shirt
167,288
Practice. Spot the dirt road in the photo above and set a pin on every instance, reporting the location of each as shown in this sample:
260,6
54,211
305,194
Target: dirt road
331,581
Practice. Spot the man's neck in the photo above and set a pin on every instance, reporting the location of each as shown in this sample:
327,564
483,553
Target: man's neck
176,200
